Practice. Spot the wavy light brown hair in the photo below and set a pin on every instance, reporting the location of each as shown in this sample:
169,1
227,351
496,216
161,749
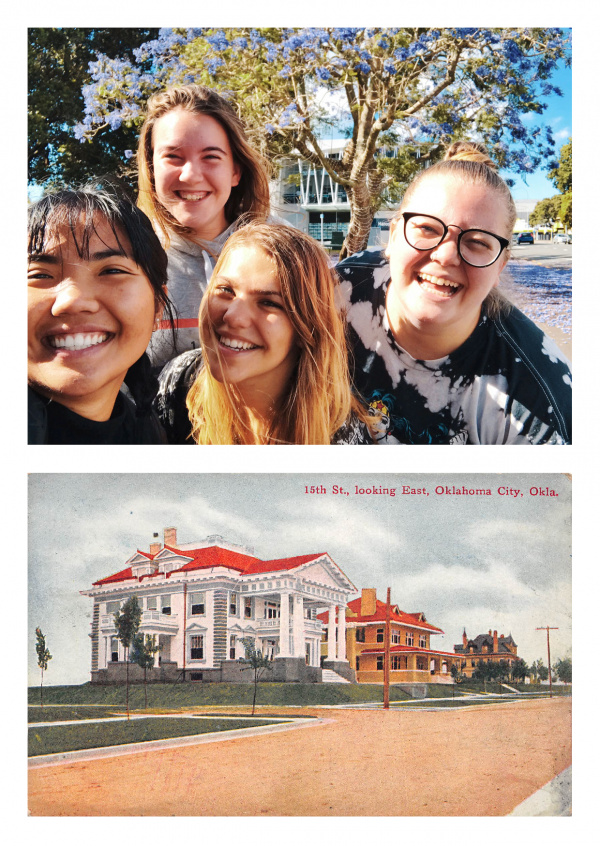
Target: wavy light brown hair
249,197
319,398
469,161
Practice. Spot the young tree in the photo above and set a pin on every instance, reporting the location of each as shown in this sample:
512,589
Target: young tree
127,623
416,89
543,671
564,670
519,670
259,663
43,656
143,650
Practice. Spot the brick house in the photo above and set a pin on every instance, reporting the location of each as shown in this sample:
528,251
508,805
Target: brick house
485,647
201,599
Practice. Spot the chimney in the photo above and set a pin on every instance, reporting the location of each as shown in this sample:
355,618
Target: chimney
155,545
489,631
368,602
465,641
495,640
170,536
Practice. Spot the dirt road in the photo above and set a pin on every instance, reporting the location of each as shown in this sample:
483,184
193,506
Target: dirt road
481,761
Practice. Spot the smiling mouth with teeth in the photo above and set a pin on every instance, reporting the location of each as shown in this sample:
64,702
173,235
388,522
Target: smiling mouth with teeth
234,344
78,341
441,286
192,197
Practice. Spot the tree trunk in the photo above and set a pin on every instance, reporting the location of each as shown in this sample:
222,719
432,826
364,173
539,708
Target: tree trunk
145,690
362,213
255,686
42,690
127,682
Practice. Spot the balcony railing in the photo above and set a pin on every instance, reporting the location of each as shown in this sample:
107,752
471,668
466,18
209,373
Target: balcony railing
149,618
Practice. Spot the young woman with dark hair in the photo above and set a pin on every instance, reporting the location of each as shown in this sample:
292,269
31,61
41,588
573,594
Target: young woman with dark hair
96,287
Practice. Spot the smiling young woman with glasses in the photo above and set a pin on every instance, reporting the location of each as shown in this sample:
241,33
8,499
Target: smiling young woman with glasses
453,361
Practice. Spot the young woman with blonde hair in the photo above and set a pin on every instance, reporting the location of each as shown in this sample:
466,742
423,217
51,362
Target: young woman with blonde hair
451,359
273,366
197,176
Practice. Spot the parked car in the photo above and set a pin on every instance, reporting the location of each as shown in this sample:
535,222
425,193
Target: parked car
561,238
525,238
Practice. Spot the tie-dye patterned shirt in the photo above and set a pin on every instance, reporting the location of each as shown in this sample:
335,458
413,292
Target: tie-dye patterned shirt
507,384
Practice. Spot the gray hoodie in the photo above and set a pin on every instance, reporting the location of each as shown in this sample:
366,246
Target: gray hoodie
189,271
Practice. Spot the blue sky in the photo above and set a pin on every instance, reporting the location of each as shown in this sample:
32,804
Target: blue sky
558,115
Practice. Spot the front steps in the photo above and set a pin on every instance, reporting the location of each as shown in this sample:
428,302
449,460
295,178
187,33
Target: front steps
330,677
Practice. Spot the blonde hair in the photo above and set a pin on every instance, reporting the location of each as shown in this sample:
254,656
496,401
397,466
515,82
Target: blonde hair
469,161
250,197
319,399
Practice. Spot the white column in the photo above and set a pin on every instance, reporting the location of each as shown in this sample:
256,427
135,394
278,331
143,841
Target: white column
284,625
298,627
331,652
341,644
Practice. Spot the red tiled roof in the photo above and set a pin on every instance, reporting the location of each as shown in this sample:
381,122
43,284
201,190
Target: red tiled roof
379,616
215,556
116,577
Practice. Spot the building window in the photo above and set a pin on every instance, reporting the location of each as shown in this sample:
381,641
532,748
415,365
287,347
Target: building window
114,649
398,662
360,635
197,601
380,662
232,647
165,605
410,639
248,608
421,664
151,603
395,636
197,647
113,607
271,610
233,604
380,635
423,641
357,663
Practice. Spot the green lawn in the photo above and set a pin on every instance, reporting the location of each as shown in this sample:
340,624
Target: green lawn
57,713
45,740
189,694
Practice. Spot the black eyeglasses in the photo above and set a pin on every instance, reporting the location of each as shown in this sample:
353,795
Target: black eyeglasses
475,246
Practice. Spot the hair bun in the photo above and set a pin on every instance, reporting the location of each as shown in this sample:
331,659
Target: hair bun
469,151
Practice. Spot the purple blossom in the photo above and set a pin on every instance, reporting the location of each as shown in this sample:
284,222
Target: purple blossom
362,67
323,74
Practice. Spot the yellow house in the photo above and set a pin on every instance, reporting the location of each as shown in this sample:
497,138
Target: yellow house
411,657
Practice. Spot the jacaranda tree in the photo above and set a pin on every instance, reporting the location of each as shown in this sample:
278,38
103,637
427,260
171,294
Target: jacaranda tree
412,89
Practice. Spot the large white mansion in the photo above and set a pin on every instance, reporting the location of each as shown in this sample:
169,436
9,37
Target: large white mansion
201,599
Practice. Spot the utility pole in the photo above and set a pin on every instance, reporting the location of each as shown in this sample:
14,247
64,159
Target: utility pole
386,652
547,630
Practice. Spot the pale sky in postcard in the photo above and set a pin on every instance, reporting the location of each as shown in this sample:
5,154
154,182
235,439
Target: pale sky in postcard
481,562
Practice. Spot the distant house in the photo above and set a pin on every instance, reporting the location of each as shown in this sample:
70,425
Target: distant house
202,599
485,647
412,658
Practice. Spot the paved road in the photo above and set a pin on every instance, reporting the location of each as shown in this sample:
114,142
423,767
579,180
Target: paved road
545,253
481,761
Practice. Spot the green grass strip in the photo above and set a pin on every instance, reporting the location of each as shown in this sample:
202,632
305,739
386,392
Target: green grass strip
46,740
54,714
